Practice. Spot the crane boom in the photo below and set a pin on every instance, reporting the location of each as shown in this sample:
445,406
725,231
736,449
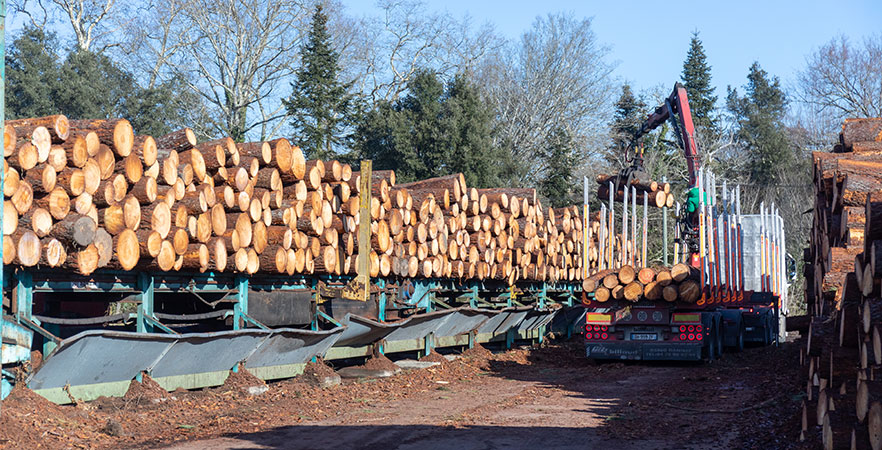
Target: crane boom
677,105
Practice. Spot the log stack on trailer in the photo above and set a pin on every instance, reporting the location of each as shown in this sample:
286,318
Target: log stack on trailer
678,283
82,195
842,358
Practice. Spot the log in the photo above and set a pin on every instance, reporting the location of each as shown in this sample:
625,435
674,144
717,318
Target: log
633,291
115,133
178,140
57,126
75,230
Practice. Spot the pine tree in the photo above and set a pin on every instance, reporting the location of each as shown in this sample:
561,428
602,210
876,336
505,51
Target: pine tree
320,105
697,79
432,131
629,114
559,181
471,149
32,73
759,116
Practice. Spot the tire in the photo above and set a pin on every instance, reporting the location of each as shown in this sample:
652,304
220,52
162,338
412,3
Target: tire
768,332
711,352
739,340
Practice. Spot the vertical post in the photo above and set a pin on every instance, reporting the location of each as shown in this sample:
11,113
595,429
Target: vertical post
586,226
2,120
381,300
633,245
611,228
645,226
701,237
241,306
739,237
625,205
763,247
665,228
601,241
364,230
676,236
145,285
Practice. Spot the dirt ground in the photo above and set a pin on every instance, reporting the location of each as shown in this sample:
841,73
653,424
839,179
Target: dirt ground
550,397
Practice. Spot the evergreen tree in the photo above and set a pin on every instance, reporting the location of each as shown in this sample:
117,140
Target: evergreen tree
470,145
32,72
759,117
92,86
432,131
559,181
320,105
629,114
697,79
87,85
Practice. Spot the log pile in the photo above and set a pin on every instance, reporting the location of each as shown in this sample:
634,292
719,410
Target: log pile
658,194
629,284
843,353
82,195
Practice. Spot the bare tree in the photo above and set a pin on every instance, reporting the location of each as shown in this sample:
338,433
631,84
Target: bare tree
842,79
235,54
555,75
382,54
89,19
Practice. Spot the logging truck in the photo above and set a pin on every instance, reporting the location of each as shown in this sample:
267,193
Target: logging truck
728,283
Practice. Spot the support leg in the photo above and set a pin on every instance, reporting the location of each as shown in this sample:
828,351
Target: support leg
241,306
145,285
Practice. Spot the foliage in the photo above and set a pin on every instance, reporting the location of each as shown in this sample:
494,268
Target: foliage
32,72
85,85
320,105
559,184
759,120
697,79
432,131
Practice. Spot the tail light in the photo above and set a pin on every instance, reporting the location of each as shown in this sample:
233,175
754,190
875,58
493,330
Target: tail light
604,328
691,328
698,328
604,335
682,328
699,336
682,336
691,337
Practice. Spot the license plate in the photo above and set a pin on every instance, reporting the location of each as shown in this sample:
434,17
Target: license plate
644,336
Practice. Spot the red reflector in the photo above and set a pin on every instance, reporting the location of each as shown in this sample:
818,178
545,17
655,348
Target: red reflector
691,328
699,336
691,337
604,336
604,328
682,328
682,336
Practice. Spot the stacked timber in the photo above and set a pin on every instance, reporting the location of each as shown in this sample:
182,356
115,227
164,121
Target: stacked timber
658,194
82,195
843,268
629,284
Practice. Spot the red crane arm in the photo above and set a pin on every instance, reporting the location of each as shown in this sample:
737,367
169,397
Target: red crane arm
677,104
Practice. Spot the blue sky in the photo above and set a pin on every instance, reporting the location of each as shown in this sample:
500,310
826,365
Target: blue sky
649,39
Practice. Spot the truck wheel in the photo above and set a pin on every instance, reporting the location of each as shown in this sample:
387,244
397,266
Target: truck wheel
767,332
739,340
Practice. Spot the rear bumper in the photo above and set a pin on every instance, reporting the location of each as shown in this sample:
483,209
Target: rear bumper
647,351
